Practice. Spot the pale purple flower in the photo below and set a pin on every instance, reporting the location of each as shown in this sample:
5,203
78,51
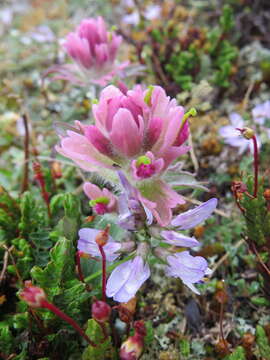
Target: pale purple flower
88,245
94,50
131,205
192,218
131,126
190,269
232,136
176,239
42,34
126,279
261,112
152,12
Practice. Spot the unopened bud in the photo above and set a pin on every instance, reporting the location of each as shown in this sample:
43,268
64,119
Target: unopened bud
266,194
132,348
239,186
33,295
101,311
56,170
103,236
248,133
83,255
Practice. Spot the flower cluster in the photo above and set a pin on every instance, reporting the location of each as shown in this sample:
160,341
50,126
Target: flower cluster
128,277
136,138
93,50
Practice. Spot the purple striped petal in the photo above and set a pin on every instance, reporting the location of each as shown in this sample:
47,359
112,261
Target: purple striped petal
191,218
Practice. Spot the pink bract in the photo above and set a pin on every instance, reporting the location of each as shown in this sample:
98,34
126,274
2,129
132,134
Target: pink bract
130,126
93,50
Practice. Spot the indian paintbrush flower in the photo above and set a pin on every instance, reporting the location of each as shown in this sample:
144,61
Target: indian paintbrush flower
102,201
93,50
140,132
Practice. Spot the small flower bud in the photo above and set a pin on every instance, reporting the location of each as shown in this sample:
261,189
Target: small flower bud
266,194
56,170
101,311
132,348
248,133
83,255
103,236
33,295
239,186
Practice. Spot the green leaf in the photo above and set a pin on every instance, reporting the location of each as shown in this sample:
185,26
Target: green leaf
262,343
184,346
238,354
6,339
104,349
61,268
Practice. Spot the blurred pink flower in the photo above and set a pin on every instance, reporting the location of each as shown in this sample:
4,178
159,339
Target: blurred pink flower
94,50
102,201
140,131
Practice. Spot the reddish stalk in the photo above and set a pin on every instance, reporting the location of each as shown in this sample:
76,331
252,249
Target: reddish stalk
256,165
102,252
221,314
60,314
78,261
25,183
80,273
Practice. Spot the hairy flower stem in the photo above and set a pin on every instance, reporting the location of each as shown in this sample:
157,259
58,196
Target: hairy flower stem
256,165
103,272
60,314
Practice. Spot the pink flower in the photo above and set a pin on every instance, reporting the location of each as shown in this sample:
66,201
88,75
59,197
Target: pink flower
139,131
102,201
94,50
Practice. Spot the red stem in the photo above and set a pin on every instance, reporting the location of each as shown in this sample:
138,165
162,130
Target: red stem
68,319
78,261
103,272
256,165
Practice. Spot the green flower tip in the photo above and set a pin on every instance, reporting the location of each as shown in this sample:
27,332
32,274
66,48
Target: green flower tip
191,112
100,200
148,95
143,160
